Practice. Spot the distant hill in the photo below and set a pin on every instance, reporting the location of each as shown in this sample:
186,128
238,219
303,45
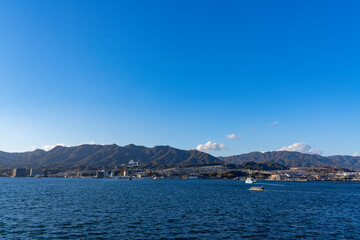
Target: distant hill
267,166
108,155
295,159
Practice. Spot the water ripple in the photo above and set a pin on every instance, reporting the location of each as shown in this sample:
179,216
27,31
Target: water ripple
176,209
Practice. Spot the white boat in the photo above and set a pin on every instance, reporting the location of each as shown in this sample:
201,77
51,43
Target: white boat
250,180
193,177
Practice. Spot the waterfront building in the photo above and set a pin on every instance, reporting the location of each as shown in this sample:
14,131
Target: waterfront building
126,173
34,172
132,162
275,177
19,172
100,174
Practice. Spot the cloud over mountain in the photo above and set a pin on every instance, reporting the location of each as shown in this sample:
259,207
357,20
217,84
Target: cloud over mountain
300,147
210,146
49,147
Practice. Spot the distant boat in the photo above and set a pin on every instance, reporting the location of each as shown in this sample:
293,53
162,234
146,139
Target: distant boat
257,188
250,180
193,177
38,176
130,178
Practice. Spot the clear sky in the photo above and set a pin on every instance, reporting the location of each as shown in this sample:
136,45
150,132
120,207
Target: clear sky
181,73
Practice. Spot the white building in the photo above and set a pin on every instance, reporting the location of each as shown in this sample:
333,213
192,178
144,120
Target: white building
34,172
132,162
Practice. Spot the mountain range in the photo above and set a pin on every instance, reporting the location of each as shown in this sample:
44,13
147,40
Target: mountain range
295,159
107,155
89,155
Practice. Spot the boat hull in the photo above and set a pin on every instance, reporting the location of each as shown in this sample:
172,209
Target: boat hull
257,189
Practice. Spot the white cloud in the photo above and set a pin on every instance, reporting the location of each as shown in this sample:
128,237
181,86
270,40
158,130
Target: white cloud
49,147
300,147
274,123
87,143
233,136
356,154
91,143
210,146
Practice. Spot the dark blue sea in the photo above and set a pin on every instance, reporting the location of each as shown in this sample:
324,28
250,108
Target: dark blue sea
51,208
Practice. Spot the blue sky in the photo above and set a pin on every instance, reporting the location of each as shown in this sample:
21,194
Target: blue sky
181,73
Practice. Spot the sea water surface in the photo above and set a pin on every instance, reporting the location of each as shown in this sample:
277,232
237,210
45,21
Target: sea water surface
51,208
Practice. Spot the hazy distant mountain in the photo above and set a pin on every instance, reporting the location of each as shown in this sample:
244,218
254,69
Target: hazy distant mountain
107,155
295,159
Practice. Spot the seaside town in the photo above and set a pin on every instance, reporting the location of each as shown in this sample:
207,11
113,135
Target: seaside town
133,171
